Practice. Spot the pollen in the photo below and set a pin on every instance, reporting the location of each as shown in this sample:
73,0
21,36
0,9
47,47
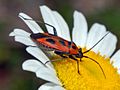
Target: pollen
90,77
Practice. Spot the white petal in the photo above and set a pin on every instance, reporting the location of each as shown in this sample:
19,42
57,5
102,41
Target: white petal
119,71
96,32
46,74
62,25
54,19
31,23
50,86
108,45
25,40
49,18
37,53
22,37
12,34
115,59
19,32
79,33
32,65
41,70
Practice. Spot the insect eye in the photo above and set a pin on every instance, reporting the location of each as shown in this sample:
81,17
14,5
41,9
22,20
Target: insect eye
50,41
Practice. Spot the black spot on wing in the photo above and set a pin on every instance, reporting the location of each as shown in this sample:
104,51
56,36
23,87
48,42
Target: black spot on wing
37,35
72,44
69,44
74,47
62,42
50,41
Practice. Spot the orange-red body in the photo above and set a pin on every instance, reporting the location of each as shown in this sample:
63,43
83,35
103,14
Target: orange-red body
55,43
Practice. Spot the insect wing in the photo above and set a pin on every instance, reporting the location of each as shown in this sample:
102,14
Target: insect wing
50,42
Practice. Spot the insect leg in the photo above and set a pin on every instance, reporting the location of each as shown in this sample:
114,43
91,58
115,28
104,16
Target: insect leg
52,61
78,66
70,56
54,29
55,32
60,53
96,63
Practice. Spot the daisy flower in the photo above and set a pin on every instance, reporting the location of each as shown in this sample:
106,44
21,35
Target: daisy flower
63,74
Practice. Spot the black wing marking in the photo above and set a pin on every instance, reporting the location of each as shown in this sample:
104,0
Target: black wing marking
38,35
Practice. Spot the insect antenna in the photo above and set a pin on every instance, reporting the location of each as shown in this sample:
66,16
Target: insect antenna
91,49
54,29
97,42
96,63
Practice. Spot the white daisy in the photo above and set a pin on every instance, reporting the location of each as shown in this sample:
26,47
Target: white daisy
63,74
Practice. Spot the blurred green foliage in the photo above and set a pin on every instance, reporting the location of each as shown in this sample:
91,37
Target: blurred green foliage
110,18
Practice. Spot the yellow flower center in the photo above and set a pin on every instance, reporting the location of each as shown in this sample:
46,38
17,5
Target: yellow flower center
91,76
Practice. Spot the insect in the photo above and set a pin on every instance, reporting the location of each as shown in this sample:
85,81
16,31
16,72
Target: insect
62,47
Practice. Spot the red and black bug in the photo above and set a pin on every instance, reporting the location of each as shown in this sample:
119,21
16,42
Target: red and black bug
62,47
